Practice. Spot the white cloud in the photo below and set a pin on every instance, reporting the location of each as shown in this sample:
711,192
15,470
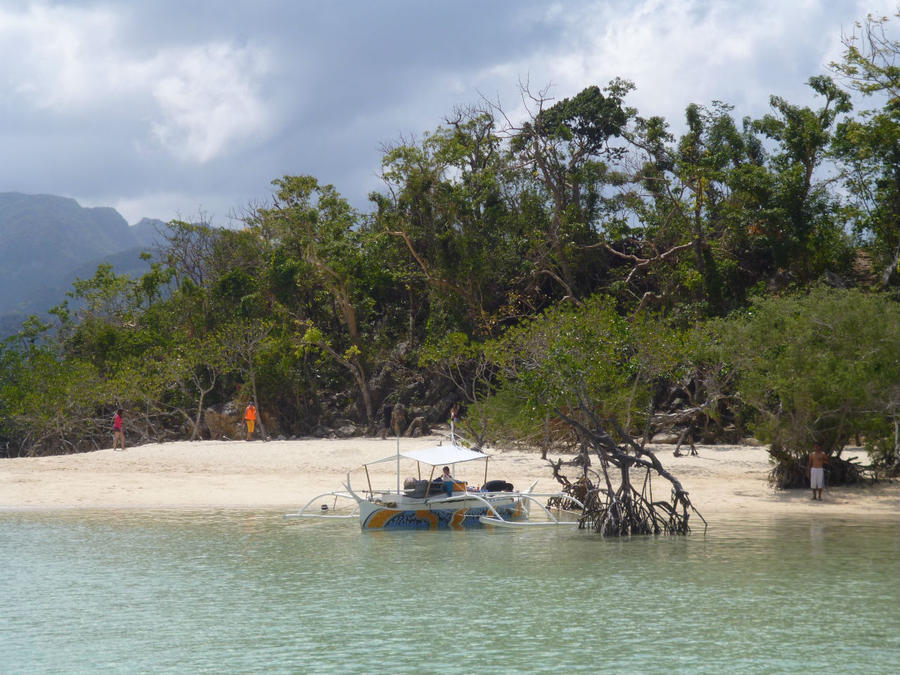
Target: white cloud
197,102
170,206
689,51
693,51
208,98
52,53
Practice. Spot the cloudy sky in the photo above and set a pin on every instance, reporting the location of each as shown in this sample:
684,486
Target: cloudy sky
170,109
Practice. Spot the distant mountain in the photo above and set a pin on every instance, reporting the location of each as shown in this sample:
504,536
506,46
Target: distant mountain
146,232
49,241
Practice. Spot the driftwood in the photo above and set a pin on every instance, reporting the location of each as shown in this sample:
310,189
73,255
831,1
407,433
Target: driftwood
687,436
613,506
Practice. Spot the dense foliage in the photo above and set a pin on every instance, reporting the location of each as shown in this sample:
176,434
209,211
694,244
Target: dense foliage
739,278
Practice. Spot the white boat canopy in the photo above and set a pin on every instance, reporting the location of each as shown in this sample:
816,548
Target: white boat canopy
437,455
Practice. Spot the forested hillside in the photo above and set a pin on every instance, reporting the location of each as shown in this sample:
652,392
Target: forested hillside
740,277
47,243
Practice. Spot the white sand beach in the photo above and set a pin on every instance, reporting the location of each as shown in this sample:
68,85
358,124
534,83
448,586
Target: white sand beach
724,481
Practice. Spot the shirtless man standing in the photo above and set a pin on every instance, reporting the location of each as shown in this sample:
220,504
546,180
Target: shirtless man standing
815,469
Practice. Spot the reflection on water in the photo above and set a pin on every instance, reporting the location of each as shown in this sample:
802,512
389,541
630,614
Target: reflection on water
247,591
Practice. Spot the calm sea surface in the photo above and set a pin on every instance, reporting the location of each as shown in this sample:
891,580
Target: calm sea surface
214,592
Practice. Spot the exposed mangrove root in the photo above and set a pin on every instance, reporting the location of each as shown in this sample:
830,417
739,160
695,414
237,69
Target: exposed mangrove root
790,473
612,505
579,490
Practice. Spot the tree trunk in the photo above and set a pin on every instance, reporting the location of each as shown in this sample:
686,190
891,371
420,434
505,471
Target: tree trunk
196,430
360,376
262,427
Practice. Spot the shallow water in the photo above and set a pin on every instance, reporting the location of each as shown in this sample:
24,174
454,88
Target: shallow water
142,591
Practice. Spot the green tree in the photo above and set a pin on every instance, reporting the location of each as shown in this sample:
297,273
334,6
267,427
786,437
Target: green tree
580,363
686,247
196,367
188,250
316,225
242,344
107,325
467,365
870,146
570,149
798,213
446,203
568,355
820,366
50,406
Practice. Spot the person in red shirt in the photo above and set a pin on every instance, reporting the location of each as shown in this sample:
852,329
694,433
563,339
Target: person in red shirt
118,432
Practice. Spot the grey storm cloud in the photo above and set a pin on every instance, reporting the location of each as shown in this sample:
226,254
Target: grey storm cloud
163,108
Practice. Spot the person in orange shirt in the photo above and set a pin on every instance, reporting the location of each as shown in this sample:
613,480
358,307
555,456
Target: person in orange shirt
250,419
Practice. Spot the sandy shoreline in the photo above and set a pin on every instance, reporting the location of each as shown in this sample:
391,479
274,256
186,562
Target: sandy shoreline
724,481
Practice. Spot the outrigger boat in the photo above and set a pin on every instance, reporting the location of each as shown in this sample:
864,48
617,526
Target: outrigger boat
435,504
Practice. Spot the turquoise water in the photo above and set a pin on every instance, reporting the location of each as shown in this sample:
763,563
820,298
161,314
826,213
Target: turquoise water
212,592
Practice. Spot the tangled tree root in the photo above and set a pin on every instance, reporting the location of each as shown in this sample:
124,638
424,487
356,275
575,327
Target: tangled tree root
621,510
789,473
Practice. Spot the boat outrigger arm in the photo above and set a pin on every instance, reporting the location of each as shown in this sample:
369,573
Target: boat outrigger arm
531,497
325,509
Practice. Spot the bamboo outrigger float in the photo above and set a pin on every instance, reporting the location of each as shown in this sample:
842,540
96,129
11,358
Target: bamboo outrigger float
434,504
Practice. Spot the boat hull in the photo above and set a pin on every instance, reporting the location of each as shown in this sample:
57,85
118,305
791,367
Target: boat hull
453,515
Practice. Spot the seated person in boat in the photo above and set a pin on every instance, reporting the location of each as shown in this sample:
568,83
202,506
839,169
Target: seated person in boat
423,488
448,481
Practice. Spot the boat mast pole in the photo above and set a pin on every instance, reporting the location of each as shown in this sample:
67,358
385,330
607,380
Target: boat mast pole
398,463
